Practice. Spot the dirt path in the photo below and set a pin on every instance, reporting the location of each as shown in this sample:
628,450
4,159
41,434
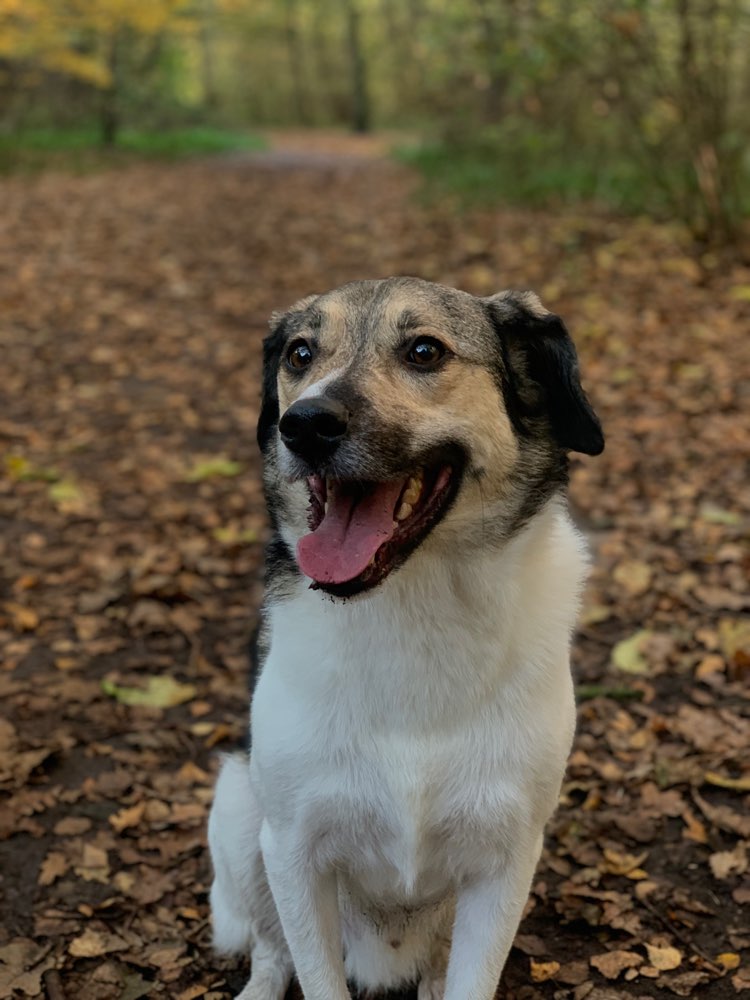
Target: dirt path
132,305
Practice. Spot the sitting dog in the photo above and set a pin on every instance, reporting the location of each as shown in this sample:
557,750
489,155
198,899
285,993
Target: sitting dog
414,707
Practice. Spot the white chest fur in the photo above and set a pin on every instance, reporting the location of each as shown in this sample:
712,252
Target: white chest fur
410,737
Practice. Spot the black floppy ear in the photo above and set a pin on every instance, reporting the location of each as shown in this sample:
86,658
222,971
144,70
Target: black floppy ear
269,400
541,372
273,345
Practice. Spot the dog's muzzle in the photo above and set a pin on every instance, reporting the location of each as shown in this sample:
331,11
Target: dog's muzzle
314,428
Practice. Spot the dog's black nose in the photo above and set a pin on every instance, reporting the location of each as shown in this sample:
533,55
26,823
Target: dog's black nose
313,428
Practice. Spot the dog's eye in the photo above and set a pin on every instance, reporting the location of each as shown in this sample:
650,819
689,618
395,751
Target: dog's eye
425,352
299,355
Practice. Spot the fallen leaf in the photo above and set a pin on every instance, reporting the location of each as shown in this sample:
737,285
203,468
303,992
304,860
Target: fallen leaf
734,638
23,619
135,986
684,983
593,614
728,960
235,536
53,866
573,973
542,971
150,614
734,784
211,468
94,866
22,964
694,829
724,864
159,692
617,863
664,958
718,515
220,732
67,496
530,944
724,817
8,736
93,943
710,666
128,817
71,826
612,963
634,576
192,992
628,654
22,470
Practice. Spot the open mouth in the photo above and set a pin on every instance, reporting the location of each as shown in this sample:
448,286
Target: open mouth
361,531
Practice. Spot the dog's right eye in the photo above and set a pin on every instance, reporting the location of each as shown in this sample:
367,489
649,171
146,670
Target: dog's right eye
426,353
299,355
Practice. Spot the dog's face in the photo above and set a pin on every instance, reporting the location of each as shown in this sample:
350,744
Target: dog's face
399,412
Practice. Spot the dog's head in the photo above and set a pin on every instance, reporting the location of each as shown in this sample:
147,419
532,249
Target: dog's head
400,412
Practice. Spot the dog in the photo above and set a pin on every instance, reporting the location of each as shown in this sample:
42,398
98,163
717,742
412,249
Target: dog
414,708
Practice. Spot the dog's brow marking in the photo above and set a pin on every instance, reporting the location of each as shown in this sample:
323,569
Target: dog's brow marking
315,320
409,321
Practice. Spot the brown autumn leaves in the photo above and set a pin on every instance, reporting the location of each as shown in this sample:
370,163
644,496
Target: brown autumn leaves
133,304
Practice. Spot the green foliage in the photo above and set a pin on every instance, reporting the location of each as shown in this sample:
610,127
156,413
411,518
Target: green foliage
523,165
526,168
638,105
178,142
80,148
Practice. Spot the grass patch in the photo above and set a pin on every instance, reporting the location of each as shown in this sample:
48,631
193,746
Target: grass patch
80,149
176,143
480,174
546,167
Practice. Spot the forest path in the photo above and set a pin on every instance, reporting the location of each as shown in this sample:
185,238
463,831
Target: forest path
133,303
316,149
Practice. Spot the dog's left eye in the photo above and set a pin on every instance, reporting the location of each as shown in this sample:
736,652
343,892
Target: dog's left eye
299,355
425,352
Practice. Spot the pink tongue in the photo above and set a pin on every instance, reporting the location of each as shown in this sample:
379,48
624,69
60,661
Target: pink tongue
349,535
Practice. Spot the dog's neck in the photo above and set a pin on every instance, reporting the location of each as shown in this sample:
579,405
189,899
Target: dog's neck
443,629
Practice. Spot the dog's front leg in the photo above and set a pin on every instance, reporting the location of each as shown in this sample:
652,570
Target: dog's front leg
488,912
307,902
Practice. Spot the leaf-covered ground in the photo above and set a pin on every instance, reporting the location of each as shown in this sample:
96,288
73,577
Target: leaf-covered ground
132,304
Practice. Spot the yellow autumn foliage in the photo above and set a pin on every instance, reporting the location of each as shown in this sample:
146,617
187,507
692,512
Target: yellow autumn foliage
74,37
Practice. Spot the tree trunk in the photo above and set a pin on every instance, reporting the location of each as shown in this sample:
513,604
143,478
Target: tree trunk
109,116
295,50
208,75
492,37
361,111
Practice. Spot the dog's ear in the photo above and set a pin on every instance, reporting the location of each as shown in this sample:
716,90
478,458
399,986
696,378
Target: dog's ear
540,373
273,346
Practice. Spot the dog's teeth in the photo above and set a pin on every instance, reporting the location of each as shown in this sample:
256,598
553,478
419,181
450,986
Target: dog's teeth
404,511
413,490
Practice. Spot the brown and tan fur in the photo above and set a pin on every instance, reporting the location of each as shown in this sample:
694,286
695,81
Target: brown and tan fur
360,329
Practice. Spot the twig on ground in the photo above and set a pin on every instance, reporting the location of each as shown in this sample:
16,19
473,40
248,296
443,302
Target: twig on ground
681,937
53,985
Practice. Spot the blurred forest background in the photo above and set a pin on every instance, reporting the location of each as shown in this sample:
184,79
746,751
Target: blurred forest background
594,151
639,105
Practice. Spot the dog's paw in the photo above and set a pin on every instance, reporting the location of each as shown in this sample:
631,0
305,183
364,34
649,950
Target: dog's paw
431,988
262,986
